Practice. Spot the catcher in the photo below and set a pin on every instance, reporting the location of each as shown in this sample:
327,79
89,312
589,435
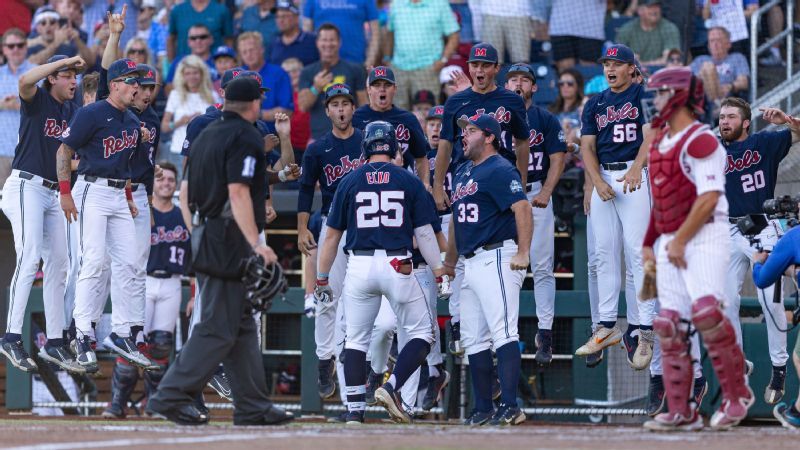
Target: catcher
687,238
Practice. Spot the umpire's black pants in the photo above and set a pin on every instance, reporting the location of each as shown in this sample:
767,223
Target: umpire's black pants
226,333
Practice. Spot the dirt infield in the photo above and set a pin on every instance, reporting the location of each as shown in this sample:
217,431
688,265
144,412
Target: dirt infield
53,434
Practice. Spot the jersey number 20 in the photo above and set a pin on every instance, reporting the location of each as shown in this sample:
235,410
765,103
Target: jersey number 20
751,182
389,203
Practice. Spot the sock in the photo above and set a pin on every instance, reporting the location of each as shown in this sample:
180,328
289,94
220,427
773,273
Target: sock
508,364
608,324
355,371
645,327
480,369
409,359
433,372
12,337
55,343
631,329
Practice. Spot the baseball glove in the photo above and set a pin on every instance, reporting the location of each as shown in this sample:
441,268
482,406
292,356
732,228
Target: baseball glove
649,290
262,283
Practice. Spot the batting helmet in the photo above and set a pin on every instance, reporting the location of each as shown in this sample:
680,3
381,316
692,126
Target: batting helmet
379,139
262,283
686,89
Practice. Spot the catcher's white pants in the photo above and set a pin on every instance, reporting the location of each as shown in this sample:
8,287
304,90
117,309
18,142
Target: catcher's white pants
163,303
39,233
618,224
325,321
774,313
541,256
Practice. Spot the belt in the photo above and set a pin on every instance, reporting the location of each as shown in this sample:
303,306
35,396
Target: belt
615,166
159,274
529,186
52,185
419,265
733,220
372,252
135,187
119,184
486,247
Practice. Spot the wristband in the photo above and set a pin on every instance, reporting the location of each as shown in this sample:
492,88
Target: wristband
321,275
322,281
128,193
314,90
64,188
282,175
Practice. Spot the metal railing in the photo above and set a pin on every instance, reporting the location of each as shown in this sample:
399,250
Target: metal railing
756,50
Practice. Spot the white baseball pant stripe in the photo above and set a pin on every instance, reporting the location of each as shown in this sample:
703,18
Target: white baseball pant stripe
631,302
542,256
106,225
620,224
774,313
163,303
135,315
39,233
490,299
325,321
454,301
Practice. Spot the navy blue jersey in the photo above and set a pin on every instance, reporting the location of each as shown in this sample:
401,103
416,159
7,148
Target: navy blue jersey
169,242
105,138
616,120
751,170
505,106
380,205
407,129
42,120
199,124
326,161
448,177
143,160
482,199
546,138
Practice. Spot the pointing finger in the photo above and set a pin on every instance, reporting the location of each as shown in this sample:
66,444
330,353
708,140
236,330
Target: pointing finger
124,11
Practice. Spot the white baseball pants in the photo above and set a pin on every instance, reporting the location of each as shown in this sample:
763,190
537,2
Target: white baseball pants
542,260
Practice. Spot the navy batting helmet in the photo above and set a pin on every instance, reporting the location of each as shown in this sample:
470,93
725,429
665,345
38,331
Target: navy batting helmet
379,139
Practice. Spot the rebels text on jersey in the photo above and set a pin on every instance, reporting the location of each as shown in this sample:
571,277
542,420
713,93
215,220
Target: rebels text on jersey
482,199
42,121
616,119
751,170
505,106
327,161
407,129
143,159
170,244
104,138
448,177
546,138
380,205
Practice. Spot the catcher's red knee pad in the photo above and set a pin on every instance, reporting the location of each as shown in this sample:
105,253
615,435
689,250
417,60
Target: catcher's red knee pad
710,320
672,332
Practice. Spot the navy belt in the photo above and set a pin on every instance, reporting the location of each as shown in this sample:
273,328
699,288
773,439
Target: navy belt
159,274
119,184
615,166
52,185
372,252
486,247
134,187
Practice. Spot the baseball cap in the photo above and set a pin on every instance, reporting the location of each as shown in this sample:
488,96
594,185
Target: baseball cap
243,89
287,5
256,76
618,52
436,112
484,122
149,4
228,75
55,58
338,90
522,69
148,77
423,96
380,73
122,67
223,50
44,12
484,52
444,75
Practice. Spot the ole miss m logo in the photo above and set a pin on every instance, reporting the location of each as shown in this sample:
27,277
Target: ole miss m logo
611,51
480,52
131,64
439,110
380,72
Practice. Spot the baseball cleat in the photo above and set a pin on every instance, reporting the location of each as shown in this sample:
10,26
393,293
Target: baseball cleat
327,383
341,418
787,416
544,347
113,411
631,343
478,418
17,356
670,421
390,399
774,390
62,358
374,380
730,413
354,418
594,359
127,349
601,338
699,390
220,383
435,390
86,357
454,346
644,351
507,415
656,400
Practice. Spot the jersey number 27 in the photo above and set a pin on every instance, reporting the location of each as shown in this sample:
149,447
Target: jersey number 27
374,209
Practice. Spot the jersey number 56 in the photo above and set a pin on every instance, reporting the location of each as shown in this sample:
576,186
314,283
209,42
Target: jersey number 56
374,209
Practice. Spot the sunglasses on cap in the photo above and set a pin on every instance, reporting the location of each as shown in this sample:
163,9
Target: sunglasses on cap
199,37
128,80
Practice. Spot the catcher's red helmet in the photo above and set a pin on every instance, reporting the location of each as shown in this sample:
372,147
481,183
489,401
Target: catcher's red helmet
687,91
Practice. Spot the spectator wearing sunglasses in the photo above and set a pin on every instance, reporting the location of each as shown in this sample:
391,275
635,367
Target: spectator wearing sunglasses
200,40
136,50
14,51
54,35
214,15
567,106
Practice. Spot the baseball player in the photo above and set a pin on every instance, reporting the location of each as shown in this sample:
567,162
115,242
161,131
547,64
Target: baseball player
491,230
31,205
686,239
384,208
614,155
751,173
545,165
381,89
483,97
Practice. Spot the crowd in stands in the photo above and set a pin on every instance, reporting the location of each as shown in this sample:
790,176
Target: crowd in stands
300,48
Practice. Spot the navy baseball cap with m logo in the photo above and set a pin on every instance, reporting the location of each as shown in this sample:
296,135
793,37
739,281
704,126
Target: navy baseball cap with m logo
618,52
483,52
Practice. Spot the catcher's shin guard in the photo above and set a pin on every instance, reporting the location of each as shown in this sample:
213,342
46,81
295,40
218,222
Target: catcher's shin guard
676,360
123,381
727,358
153,377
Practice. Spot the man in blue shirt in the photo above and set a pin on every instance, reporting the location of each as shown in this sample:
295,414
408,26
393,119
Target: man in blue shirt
183,16
200,46
349,16
292,42
261,18
250,46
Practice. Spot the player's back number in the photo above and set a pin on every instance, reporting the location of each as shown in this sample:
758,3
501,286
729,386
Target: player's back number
374,209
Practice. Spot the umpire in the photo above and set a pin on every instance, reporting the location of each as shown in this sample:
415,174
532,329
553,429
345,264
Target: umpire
227,189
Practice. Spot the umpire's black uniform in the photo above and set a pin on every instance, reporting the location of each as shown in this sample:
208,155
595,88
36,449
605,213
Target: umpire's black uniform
229,151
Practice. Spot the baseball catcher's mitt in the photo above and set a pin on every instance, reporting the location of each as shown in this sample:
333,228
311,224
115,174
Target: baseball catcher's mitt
262,283
649,290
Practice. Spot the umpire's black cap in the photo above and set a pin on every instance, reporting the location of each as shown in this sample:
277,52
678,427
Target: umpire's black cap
243,89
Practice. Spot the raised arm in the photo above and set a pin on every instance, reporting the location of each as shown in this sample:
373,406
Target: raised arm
28,80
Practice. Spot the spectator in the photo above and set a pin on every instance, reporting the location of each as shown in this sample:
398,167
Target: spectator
17,14
159,36
224,58
191,96
723,73
421,104
89,84
261,18
94,13
131,18
214,16
136,50
292,42
145,19
416,29
650,36
349,17
447,85
507,25
577,31
775,24
200,44
52,38
675,58
729,14
330,69
567,106
301,121
100,34
279,97
71,12
14,51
